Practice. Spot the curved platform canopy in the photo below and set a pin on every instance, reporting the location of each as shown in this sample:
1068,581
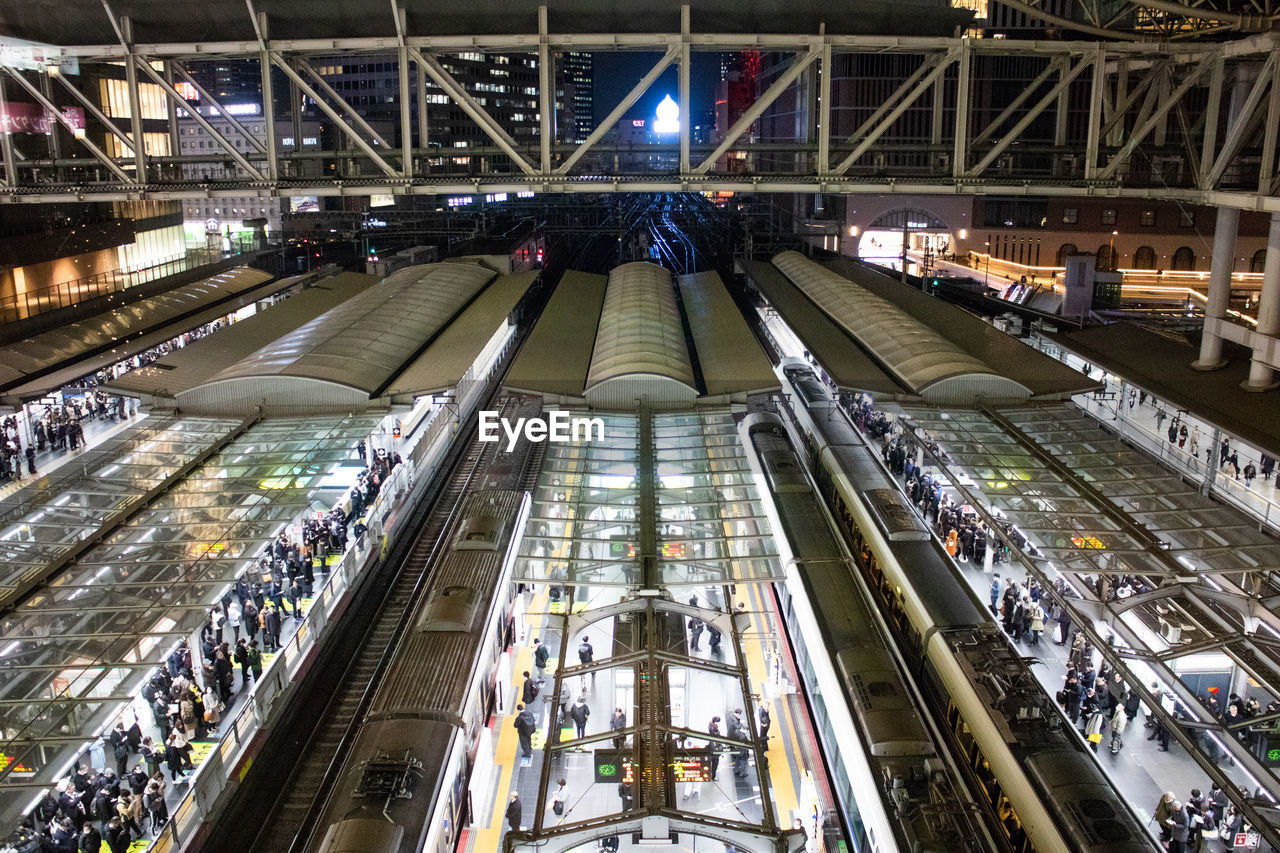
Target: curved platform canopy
86,22
924,361
640,348
350,354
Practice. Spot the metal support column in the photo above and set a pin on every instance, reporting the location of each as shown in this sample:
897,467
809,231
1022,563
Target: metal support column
422,109
546,93
55,140
960,152
825,114
175,136
1261,374
6,140
406,120
135,105
1097,92
268,100
1220,269
686,60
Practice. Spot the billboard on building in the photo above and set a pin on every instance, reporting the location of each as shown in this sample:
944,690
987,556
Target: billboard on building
19,117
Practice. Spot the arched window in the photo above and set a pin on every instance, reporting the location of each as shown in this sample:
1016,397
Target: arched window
1105,261
1184,259
1065,251
1259,261
1144,258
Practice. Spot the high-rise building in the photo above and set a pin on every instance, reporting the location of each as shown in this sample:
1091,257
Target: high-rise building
580,99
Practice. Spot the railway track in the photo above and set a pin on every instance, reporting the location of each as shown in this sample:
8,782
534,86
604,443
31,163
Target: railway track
289,824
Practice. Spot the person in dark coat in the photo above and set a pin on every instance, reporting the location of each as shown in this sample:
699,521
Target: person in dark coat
529,690
90,839
617,723
579,712
525,725
118,836
541,654
514,812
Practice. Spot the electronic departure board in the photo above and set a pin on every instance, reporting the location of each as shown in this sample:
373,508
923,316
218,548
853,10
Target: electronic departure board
614,765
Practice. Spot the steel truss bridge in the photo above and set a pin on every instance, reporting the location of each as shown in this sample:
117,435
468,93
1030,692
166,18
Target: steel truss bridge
1169,116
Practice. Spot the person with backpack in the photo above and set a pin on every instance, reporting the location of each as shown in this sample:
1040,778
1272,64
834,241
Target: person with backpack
586,655
253,657
525,724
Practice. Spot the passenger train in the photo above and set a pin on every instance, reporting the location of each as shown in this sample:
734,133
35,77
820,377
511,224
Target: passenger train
404,786
883,786
1037,777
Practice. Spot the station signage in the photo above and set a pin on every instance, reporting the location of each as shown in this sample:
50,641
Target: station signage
18,117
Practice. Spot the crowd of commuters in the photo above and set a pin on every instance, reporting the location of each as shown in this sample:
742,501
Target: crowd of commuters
1096,699
125,800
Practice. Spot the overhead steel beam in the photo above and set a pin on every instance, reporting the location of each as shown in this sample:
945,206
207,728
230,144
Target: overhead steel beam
546,94
825,114
1124,104
1213,109
324,87
305,89
1054,67
142,63
1068,76
1151,49
1239,129
894,114
135,103
268,99
6,142
620,110
469,105
1093,134
685,75
402,67
1161,110
1271,131
423,134
93,110
66,122
798,65
960,147
207,98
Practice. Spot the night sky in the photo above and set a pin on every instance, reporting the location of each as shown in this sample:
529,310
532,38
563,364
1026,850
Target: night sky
617,71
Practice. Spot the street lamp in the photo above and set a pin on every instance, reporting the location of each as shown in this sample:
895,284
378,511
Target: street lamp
1114,264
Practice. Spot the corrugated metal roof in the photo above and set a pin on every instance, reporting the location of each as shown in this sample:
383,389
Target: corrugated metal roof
557,354
200,360
728,353
919,356
453,352
640,330
361,344
44,351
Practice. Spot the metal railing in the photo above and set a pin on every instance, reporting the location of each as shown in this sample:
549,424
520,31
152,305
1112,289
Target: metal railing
67,293
226,763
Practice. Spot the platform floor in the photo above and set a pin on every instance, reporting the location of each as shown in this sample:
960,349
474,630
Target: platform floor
1141,771
791,753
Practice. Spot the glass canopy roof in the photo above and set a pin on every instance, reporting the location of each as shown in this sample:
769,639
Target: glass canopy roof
1097,508
77,651
42,524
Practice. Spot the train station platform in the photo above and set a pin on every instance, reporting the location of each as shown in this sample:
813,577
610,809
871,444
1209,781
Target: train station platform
1176,564
1130,405
91,633
582,573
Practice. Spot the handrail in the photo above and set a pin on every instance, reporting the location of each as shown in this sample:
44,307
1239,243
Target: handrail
22,306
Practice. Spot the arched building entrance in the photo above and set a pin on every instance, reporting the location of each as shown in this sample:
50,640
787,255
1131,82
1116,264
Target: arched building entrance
925,235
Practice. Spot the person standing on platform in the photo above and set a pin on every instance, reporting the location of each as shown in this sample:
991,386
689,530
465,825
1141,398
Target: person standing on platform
525,725
624,794
617,723
765,722
579,712
529,690
514,812
541,654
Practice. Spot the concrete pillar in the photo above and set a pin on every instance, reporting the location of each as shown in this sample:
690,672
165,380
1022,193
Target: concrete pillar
1220,268
1261,375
